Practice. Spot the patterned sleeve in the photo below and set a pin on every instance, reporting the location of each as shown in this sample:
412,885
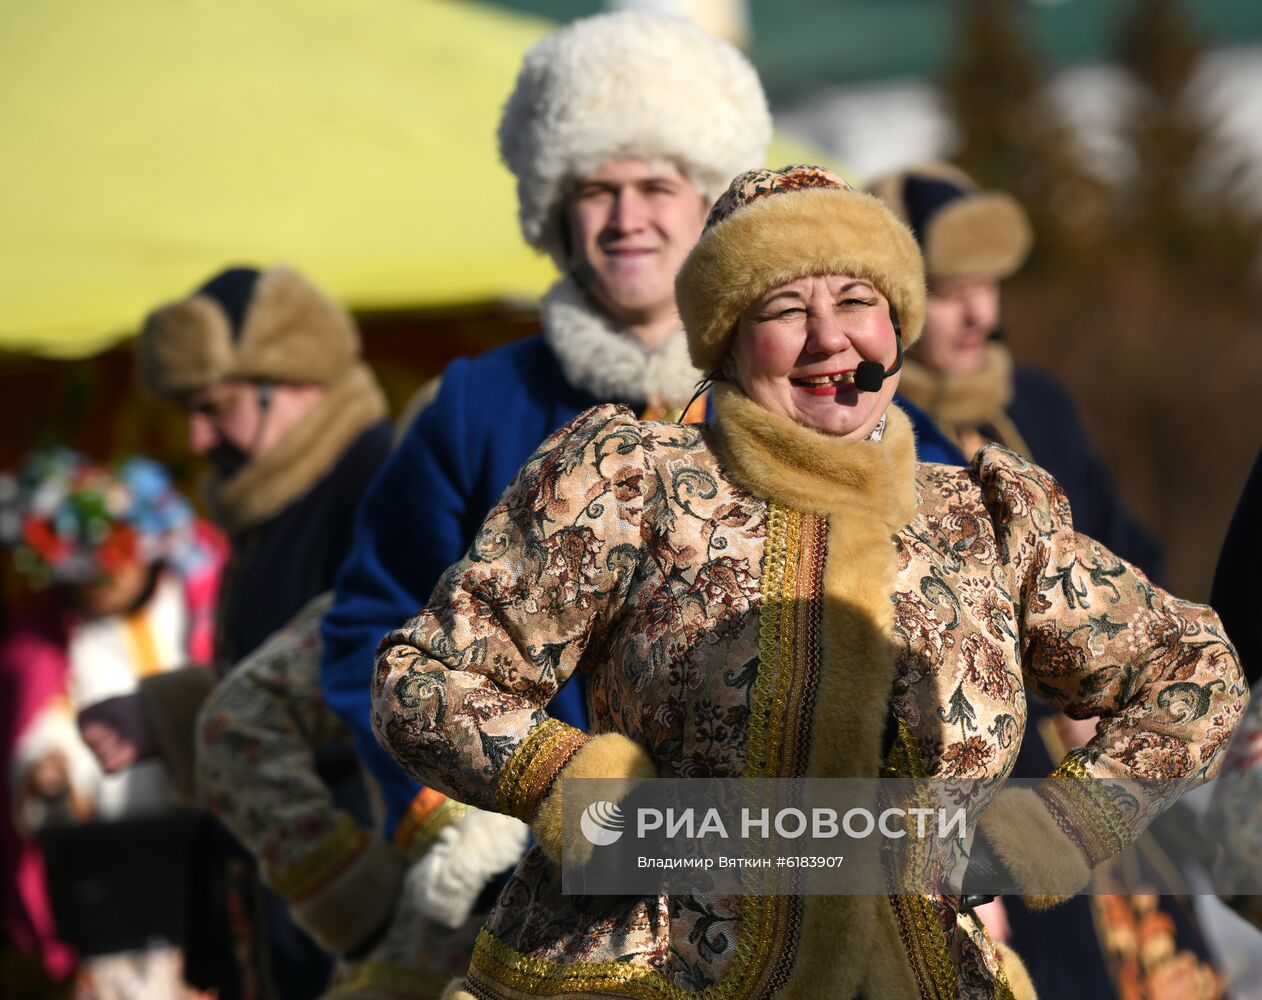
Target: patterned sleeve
1099,639
1235,820
458,691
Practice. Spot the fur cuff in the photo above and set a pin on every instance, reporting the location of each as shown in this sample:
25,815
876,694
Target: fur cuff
1014,970
1046,865
610,755
357,903
171,702
468,855
456,991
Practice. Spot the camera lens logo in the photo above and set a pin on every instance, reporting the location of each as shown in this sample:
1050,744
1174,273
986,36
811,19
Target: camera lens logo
602,823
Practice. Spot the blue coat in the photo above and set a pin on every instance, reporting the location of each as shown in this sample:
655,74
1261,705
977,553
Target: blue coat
424,508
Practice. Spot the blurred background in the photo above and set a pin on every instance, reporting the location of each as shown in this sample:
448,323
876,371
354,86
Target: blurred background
149,143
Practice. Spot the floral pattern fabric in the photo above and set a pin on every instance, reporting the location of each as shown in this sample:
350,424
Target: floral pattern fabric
1235,820
624,551
257,732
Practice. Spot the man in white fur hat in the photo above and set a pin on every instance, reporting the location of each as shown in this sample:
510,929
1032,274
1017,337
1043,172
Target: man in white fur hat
621,131
615,183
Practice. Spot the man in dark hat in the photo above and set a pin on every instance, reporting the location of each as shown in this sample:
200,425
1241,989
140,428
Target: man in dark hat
268,371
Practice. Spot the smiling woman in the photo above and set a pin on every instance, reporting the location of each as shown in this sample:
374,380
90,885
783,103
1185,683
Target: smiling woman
798,347
846,612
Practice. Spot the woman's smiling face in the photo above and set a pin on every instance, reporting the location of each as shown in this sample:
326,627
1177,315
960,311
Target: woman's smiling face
796,349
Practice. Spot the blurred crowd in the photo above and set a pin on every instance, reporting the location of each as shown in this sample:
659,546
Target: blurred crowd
222,781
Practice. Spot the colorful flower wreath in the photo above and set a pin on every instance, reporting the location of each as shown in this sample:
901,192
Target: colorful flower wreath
71,521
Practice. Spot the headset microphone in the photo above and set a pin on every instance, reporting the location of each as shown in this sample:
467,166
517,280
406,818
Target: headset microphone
869,376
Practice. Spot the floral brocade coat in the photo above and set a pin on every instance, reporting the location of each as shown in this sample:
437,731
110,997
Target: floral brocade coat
753,599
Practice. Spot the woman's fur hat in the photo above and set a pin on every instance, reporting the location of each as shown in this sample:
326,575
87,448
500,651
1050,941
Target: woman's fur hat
775,226
246,324
634,84
963,231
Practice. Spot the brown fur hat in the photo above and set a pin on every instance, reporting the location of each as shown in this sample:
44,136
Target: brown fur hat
775,226
964,232
246,324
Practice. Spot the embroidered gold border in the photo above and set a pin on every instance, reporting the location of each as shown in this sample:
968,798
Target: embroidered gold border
921,933
1003,988
776,635
917,919
320,865
1079,803
762,917
926,946
534,765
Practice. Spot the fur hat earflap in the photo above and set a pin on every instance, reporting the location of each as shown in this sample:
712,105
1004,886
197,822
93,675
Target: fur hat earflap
775,226
963,231
628,84
269,325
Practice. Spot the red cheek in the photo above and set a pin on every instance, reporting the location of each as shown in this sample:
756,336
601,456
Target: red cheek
774,354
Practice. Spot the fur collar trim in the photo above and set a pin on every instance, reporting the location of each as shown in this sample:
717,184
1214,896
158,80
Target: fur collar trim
808,471
868,491
608,363
296,462
963,403
961,400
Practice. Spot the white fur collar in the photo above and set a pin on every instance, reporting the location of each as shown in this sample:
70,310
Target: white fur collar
608,363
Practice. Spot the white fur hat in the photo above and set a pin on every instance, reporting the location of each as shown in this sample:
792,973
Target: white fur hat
636,84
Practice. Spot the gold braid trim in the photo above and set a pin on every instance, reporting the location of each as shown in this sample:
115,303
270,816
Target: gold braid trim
906,759
496,963
1079,803
533,767
775,639
541,977
1003,988
926,945
787,658
321,864
916,914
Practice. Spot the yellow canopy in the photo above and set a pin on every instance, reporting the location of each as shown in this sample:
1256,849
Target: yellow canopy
150,142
